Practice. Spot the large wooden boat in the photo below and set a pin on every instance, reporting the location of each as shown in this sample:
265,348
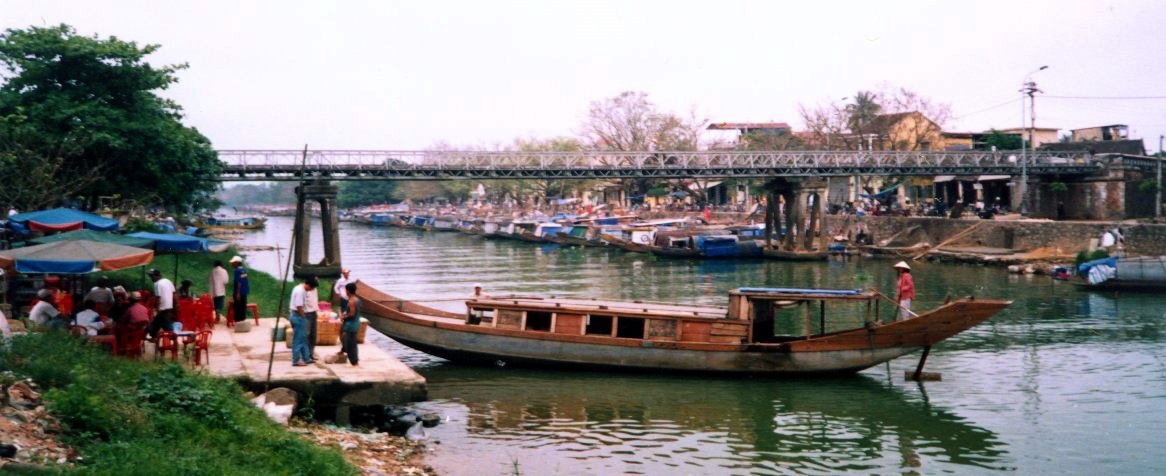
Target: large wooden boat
763,331
239,223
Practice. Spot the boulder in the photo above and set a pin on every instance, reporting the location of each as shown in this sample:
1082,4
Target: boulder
279,404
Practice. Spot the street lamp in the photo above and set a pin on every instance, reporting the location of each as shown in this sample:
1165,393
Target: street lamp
1027,87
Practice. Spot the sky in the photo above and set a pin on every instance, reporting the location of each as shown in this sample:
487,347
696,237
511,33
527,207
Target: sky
479,74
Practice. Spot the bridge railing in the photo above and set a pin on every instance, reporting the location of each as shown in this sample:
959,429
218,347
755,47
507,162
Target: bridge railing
354,163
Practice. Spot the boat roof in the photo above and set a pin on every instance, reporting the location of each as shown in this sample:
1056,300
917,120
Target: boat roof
663,221
602,306
805,294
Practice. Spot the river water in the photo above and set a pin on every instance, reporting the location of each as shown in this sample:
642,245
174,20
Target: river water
1063,381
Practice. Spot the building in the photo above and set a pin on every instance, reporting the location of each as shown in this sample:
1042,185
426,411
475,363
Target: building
1039,135
902,131
1101,133
736,135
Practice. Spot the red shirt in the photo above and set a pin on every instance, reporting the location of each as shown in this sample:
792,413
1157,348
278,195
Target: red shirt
906,286
137,314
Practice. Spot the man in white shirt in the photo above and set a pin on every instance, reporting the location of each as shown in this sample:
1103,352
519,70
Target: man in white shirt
338,289
217,281
301,355
166,296
312,312
90,319
44,313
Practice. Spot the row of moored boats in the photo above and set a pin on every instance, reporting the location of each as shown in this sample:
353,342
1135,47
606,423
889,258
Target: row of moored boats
681,237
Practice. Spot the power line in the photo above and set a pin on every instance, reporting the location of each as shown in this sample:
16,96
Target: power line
1106,97
1010,101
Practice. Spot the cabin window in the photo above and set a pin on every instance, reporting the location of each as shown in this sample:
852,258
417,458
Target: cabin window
480,315
630,327
662,329
538,321
598,325
509,319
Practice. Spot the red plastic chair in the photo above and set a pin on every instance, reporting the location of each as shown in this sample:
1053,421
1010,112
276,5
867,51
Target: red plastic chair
131,340
204,312
166,342
201,346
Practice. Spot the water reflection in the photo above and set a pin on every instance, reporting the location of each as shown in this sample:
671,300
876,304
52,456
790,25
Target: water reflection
618,423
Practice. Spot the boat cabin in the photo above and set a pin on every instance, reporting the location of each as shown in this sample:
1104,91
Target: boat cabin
754,316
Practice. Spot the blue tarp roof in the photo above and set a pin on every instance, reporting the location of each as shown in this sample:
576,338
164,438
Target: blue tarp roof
178,242
63,216
100,236
1084,267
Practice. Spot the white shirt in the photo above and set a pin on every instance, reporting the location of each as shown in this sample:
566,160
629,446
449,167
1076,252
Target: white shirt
312,300
218,281
164,289
42,312
298,298
5,331
90,320
339,287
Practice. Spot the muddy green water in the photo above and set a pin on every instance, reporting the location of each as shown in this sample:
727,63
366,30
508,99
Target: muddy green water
1063,381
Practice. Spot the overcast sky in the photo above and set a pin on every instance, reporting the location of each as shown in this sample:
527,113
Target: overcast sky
407,75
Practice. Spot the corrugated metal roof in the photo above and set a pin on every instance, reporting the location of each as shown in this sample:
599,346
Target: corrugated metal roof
732,126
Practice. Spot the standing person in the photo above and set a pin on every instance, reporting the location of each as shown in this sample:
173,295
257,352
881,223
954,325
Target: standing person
312,313
299,322
166,296
341,289
351,326
217,281
101,295
240,289
906,288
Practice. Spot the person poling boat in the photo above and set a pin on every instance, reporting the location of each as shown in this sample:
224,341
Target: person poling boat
906,289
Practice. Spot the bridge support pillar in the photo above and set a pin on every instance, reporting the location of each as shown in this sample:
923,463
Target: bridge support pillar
324,194
800,213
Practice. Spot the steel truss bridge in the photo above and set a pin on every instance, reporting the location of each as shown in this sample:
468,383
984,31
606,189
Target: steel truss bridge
287,165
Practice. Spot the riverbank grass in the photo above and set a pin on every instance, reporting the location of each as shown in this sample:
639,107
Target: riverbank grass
131,417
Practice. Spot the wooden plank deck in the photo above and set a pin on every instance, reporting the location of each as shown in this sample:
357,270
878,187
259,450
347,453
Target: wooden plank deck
381,379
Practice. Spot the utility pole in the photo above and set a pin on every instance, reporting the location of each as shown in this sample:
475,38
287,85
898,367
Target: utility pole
1158,182
1029,88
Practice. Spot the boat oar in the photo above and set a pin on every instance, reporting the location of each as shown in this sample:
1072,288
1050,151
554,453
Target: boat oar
897,305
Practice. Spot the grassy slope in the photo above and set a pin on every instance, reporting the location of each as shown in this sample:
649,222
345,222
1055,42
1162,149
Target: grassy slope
129,417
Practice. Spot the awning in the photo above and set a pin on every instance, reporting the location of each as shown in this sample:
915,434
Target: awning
74,257
61,219
944,178
175,242
987,178
99,236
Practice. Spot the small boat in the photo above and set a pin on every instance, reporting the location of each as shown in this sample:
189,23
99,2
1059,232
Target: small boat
240,223
444,223
1140,273
771,331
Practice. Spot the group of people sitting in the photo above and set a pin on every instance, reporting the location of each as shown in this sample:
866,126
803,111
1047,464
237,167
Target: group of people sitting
104,308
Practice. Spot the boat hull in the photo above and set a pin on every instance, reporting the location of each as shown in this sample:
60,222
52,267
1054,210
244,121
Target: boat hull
447,335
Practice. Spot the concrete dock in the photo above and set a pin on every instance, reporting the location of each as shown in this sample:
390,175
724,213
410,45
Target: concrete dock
380,379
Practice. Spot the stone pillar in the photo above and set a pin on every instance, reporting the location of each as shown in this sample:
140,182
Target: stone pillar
324,194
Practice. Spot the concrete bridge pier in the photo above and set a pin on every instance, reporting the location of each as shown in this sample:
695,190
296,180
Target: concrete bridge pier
324,194
799,197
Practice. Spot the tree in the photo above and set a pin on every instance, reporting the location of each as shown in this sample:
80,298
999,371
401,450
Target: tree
1001,141
827,127
630,122
88,107
862,111
915,134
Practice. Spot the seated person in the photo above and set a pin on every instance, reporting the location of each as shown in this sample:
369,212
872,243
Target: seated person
184,291
136,315
90,319
44,314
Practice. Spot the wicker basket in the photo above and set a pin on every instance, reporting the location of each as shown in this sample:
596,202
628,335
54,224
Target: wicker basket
327,332
360,333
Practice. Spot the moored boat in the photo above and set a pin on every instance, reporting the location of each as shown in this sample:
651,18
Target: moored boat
1126,273
241,223
775,331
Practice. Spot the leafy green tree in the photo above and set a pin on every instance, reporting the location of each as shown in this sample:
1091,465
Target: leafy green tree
862,111
89,108
365,192
1001,141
